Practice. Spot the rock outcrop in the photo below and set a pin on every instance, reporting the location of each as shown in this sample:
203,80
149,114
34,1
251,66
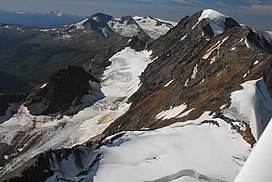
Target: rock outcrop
60,91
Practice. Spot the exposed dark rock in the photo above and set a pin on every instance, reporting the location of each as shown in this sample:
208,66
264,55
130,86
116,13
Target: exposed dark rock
268,77
259,42
59,91
99,23
102,17
230,23
129,20
137,44
6,100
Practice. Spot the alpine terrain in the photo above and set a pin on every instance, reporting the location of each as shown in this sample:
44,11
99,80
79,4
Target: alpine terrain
133,99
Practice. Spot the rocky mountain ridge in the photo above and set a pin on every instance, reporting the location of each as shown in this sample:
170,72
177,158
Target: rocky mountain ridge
203,91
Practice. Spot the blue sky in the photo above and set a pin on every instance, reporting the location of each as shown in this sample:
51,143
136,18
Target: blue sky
255,13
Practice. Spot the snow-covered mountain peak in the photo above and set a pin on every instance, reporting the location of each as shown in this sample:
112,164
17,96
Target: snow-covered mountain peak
128,26
212,15
215,19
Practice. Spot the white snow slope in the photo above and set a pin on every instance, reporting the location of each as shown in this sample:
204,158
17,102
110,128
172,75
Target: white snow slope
203,152
215,19
259,164
121,80
251,105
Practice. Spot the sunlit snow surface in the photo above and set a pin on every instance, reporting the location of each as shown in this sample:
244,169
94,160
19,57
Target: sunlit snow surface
182,150
120,81
252,105
215,19
259,164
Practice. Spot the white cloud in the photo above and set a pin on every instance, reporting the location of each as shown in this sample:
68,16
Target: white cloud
189,1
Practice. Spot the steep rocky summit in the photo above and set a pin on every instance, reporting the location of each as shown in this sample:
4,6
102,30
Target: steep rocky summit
60,91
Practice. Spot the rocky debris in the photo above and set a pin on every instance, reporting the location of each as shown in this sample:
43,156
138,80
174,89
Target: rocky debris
205,71
6,100
60,91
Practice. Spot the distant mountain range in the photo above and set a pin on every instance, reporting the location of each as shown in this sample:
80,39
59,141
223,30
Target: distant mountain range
47,20
44,51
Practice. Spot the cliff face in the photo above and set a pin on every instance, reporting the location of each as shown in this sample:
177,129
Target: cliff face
268,78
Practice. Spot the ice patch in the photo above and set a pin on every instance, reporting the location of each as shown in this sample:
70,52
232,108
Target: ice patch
167,84
171,113
232,49
215,47
186,83
213,60
43,86
245,75
183,38
256,62
194,72
185,113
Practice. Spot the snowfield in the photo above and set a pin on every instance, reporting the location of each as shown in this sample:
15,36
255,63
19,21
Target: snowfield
180,151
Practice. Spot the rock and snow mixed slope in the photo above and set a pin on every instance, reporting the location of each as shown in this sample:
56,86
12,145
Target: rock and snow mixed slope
127,26
39,133
154,27
202,93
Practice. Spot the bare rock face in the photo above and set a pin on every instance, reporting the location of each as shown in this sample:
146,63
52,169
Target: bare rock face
59,91
268,78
